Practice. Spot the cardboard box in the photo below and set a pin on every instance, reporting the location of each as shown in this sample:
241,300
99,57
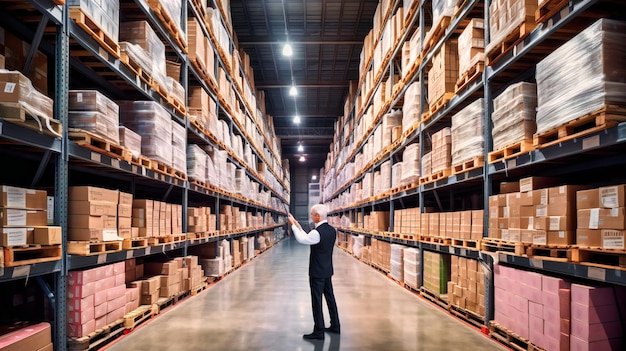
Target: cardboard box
600,238
509,187
612,196
533,183
33,337
602,218
90,193
94,208
150,285
561,237
80,330
125,198
85,221
14,236
47,235
10,217
22,198
96,234
587,199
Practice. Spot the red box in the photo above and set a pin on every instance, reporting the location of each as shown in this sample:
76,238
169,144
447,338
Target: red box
578,344
81,290
552,285
75,305
80,330
100,297
101,322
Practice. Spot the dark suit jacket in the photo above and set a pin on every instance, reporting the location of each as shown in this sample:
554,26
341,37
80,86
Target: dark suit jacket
321,257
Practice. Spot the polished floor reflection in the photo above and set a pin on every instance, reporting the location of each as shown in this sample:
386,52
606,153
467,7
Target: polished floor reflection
265,305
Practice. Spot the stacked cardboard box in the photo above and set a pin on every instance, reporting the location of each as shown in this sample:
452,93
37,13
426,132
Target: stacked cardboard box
441,157
592,54
377,221
436,272
124,216
90,110
96,297
155,218
412,267
514,113
381,254
93,214
169,276
443,75
32,337
130,140
24,217
13,54
144,45
467,285
471,45
154,124
506,17
468,141
23,93
601,221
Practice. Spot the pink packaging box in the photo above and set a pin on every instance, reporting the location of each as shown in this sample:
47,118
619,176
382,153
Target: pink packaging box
128,308
532,279
81,277
115,292
115,315
552,328
552,285
80,330
80,304
519,303
596,332
81,290
101,310
119,268
116,304
550,299
565,303
561,343
535,309
593,315
535,329
100,297
105,283
120,279
106,271
592,296
578,344
79,317
101,322
531,293
565,326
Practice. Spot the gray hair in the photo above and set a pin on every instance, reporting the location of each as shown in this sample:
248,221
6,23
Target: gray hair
321,210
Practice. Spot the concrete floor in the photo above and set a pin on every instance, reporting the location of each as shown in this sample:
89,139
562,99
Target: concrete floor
265,305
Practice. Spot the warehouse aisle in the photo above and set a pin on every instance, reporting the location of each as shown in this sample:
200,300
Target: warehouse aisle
265,305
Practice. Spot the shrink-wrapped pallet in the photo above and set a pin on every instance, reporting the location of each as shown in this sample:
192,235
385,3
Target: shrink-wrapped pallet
508,16
468,141
17,88
154,124
411,164
196,162
411,107
179,147
514,113
441,9
472,45
443,75
389,123
583,75
396,262
427,165
130,140
90,110
141,33
105,15
385,176
396,175
175,90
411,261
441,154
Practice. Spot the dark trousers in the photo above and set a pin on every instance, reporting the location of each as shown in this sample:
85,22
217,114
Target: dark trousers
319,287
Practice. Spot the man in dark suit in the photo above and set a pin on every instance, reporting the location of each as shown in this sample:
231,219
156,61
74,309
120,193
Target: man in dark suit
322,241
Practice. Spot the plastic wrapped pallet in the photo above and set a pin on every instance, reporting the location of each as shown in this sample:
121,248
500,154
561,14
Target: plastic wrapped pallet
90,110
396,175
583,75
472,45
514,113
196,162
130,140
506,17
154,124
411,164
141,33
412,270
175,90
411,107
442,8
385,176
441,157
357,245
17,88
396,262
468,141
213,267
105,14
427,164
179,147
436,272
443,75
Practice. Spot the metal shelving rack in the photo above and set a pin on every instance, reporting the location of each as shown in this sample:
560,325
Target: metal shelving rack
65,157
517,63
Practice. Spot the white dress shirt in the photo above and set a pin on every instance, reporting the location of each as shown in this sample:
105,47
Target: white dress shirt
312,238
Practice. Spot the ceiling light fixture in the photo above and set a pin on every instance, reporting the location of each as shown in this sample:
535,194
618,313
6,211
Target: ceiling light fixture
287,50
300,148
302,159
314,177
296,119
293,91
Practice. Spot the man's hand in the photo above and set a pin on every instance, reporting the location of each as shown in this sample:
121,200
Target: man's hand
291,220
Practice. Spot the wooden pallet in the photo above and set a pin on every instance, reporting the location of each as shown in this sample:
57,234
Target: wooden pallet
134,243
30,254
159,240
199,183
550,252
198,289
436,240
436,106
444,173
510,338
596,257
438,299
511,150
136,68
99,144
494,245
170,25
476,162
98,338
141,161
468,316
89,26
470,244
164,302
513,38
138,316
469,76
411,237
549,9
435,34
162,168
86,248
604,118
16,113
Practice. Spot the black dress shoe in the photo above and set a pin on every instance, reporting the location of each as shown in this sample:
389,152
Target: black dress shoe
314,336
333,330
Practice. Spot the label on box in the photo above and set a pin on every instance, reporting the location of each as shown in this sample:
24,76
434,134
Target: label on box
9,88
16,197
15,217
594,218
14,236
555,223
541,211
109,235
612,239
609,197
540,237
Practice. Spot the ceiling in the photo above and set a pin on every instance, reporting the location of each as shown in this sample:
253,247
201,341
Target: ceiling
327,38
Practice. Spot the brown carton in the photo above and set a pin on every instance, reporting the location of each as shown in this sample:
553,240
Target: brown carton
22,198
533,183
17,217
509,187
601,238
612,196
586,199
47,235
94,208
90,193
602,218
